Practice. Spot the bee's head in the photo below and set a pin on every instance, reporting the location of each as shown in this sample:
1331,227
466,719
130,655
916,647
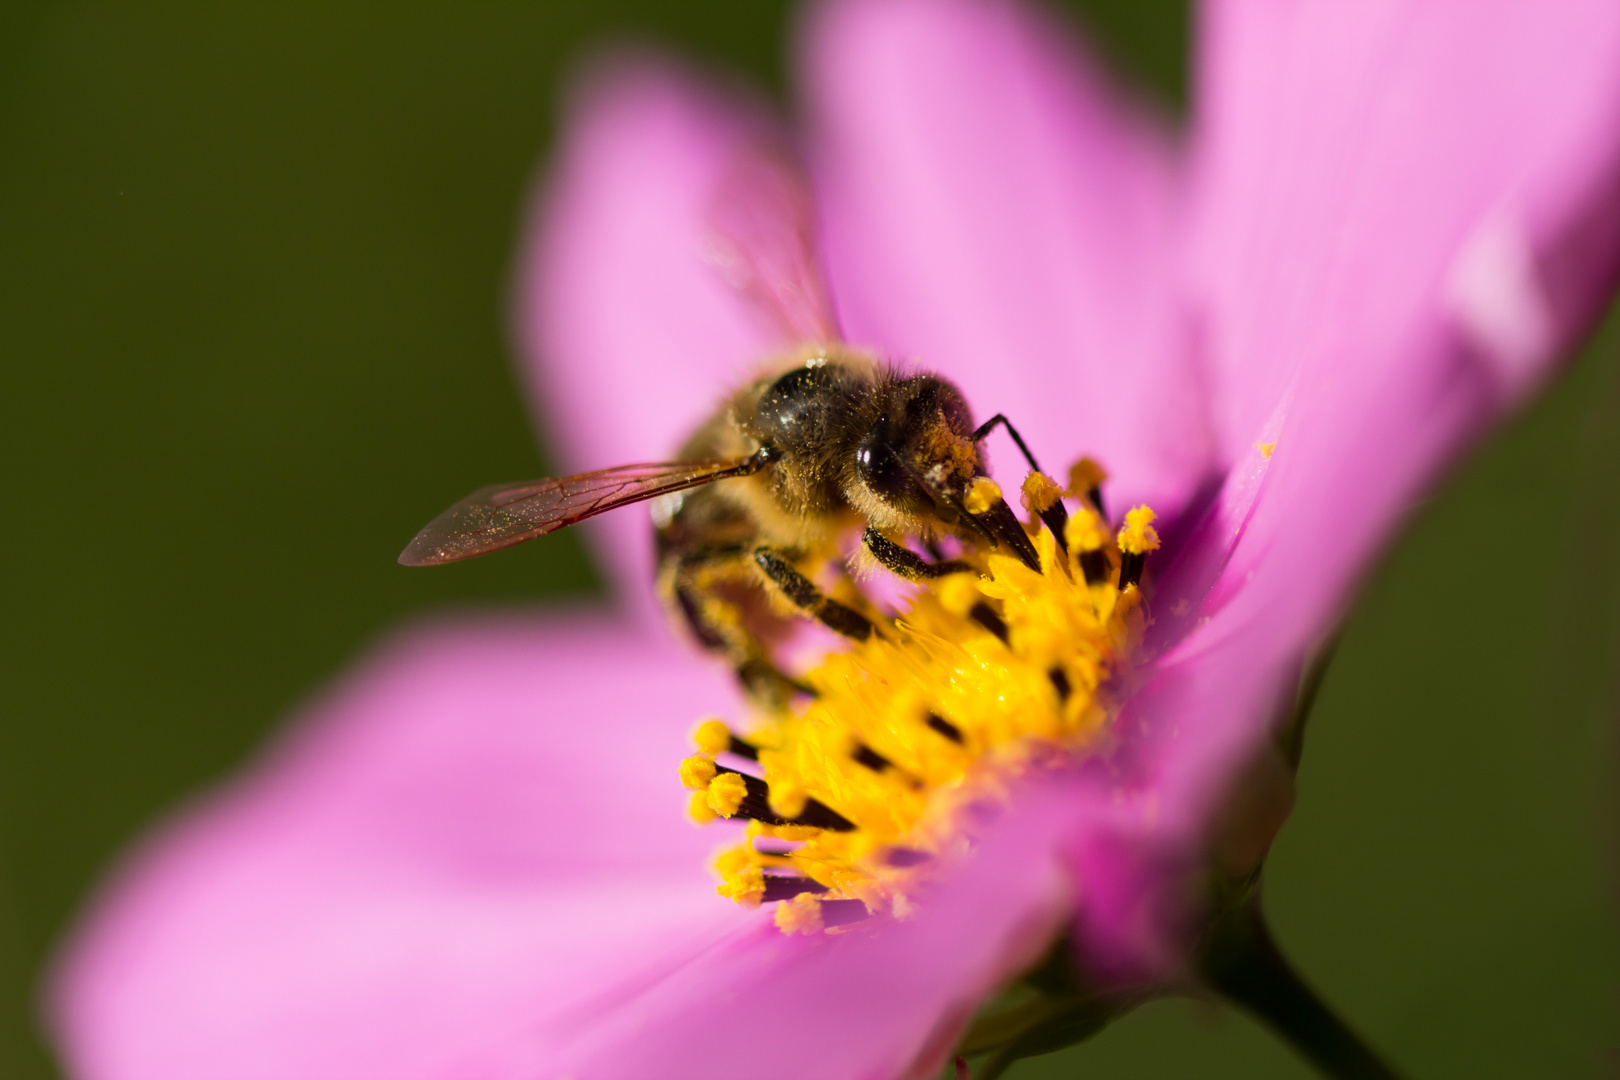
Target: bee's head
918,461
918,457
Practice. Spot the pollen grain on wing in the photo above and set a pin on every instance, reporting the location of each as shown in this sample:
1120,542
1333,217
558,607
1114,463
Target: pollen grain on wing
854,797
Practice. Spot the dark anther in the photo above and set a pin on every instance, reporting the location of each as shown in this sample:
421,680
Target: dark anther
1060,682
1094,493
1002,525
985,615
786,888
756,806
1130,568
841,912
903,856
1056,518
1094,565
873,760
945,727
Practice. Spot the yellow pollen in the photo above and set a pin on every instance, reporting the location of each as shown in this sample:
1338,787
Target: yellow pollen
712,736
1139,537
1084,475
1265,449
1086,530
726,794
914,735
788,799
800,915
1040,492
744,884
699,809
984,494
696,772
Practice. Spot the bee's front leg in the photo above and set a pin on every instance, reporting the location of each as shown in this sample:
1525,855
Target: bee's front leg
804,595
907,563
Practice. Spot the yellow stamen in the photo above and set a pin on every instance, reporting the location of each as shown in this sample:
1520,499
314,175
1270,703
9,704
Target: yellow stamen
800,915
1040,492
1084,476
696,772
699,810
984,494
915,733
726,793
1086,530
712,736
788,799
744,884
1138,537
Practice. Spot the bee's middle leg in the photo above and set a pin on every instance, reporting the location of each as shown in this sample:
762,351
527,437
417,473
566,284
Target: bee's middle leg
760,679
809,599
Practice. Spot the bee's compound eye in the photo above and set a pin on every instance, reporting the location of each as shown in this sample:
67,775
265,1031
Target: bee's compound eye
792,400
878,466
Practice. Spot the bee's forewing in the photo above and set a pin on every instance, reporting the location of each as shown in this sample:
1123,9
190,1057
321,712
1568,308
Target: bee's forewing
501,515
763,229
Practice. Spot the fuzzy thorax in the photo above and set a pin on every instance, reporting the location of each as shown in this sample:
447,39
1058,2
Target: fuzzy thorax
853,797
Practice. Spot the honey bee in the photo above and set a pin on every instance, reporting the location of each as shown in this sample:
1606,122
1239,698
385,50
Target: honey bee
825,441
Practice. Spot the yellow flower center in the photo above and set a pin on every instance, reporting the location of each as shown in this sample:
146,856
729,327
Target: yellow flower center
853,797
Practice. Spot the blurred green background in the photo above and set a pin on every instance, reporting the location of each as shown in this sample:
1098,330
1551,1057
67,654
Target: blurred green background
253,262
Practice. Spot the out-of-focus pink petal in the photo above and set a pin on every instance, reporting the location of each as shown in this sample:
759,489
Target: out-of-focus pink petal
631,331
1407,212
478,831
1359,165
994,210
472,861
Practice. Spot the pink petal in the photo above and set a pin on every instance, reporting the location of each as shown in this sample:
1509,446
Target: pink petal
996,211
887,999
471,862
1408,213
1361,166
631,332
479,831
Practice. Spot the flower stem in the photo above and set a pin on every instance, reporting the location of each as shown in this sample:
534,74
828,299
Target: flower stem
1243,963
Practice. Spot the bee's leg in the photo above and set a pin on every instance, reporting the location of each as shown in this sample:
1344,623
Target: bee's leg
766,686
761,681
1055,516
809,599
907,563
999,420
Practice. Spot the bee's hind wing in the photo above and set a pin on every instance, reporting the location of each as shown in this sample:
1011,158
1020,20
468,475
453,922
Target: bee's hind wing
763,239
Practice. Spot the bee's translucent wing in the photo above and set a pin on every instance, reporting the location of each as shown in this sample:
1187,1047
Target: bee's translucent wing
505,514
763,238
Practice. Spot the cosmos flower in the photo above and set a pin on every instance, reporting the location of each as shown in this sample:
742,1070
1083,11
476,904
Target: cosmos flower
470,859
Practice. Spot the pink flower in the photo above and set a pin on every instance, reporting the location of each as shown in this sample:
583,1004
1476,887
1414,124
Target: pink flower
470,859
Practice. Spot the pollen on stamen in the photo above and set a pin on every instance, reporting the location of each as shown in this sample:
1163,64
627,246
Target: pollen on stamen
726,794
1040,493
869,788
